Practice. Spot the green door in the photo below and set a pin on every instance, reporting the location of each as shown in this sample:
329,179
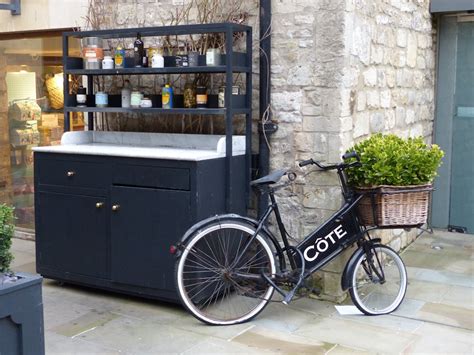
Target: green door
462,166
453,200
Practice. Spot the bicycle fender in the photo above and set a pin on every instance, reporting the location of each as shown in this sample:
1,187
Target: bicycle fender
349,268
205,222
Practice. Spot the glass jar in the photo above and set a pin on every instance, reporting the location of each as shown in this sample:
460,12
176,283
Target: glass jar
81,96
189,95
101,99
135,99
201,97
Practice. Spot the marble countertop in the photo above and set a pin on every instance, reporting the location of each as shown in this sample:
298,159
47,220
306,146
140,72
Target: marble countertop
191,147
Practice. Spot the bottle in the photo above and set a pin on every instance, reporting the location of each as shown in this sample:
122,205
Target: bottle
119,57
167,97
126,94
189,95
138,51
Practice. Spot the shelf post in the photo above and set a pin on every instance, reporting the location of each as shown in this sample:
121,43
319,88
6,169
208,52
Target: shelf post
66,82
248,117
229,34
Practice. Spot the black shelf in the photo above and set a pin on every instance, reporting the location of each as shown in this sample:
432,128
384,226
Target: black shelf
233,61
166,70
157,110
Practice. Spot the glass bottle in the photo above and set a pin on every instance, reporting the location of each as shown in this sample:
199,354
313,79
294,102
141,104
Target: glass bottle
138,51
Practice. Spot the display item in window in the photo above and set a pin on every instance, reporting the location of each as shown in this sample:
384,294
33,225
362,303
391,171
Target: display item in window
167,97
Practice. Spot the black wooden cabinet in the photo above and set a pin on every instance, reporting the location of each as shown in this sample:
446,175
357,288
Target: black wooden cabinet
109,222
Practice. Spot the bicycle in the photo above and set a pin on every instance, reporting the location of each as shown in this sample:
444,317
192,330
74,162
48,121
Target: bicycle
229,266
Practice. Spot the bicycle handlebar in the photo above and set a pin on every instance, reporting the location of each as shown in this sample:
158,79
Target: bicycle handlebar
348,155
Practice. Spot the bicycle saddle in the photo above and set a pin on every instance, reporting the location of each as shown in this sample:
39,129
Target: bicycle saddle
272,178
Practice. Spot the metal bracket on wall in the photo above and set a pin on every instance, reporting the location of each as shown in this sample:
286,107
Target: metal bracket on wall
14,6
268,127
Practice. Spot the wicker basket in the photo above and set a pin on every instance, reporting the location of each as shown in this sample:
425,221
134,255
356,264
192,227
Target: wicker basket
394,206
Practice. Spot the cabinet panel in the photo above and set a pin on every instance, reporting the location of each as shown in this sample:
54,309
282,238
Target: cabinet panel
143,226
72,233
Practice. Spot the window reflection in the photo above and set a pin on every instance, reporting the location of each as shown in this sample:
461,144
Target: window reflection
31,114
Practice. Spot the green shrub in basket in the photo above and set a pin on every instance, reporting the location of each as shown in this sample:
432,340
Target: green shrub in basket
391,160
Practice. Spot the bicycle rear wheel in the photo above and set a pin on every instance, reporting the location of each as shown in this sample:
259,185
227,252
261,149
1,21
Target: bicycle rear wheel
206,273
378,281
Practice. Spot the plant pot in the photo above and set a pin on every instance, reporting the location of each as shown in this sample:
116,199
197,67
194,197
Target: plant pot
21,316
394,206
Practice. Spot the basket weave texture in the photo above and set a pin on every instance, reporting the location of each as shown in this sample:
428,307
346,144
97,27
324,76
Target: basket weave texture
394,205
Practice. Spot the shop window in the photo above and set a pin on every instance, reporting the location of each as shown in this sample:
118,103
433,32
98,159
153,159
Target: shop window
31,113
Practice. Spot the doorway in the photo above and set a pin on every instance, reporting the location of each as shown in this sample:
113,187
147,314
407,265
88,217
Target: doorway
453,199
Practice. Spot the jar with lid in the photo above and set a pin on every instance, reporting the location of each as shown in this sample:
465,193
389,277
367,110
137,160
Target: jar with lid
189,95
101,99
81,96
213,57
119,57
145,102
107,62
201,97
135,99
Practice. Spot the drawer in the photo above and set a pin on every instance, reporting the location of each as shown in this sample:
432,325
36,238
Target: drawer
152,176
73,173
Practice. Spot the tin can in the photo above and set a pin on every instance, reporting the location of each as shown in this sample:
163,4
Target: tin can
119,57
167,97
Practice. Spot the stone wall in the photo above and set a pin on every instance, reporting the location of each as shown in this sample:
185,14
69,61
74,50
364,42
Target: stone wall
342,70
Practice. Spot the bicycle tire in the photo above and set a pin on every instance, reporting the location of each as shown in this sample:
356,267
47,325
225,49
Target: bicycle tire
378,286
205,269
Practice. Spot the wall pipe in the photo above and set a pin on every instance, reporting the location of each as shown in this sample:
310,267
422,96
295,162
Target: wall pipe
265,126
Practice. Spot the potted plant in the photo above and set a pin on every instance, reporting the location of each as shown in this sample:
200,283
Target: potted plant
21,306
395,176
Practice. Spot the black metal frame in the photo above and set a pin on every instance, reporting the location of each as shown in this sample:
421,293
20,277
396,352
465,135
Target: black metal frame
342,229
229,68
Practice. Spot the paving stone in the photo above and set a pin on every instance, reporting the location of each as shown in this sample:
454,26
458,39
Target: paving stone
218,346
446,314
282,343
355,334
84,323
443,277
459,296
61,345
426,291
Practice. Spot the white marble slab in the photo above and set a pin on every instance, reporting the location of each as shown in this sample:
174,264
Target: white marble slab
191,147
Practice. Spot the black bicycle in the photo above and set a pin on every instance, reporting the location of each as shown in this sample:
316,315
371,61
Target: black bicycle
229,266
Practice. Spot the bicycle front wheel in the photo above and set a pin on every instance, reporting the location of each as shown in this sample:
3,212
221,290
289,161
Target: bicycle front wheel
218,275
378,281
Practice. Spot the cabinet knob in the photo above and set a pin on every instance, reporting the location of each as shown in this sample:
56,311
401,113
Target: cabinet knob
71,173
115,208
99,205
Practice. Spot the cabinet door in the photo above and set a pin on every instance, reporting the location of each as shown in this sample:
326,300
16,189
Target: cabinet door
144,224
72,234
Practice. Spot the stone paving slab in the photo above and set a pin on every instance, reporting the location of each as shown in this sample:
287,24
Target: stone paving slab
436,316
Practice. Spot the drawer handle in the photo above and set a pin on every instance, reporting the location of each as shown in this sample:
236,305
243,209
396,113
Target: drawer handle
99,205
71,173
115,208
